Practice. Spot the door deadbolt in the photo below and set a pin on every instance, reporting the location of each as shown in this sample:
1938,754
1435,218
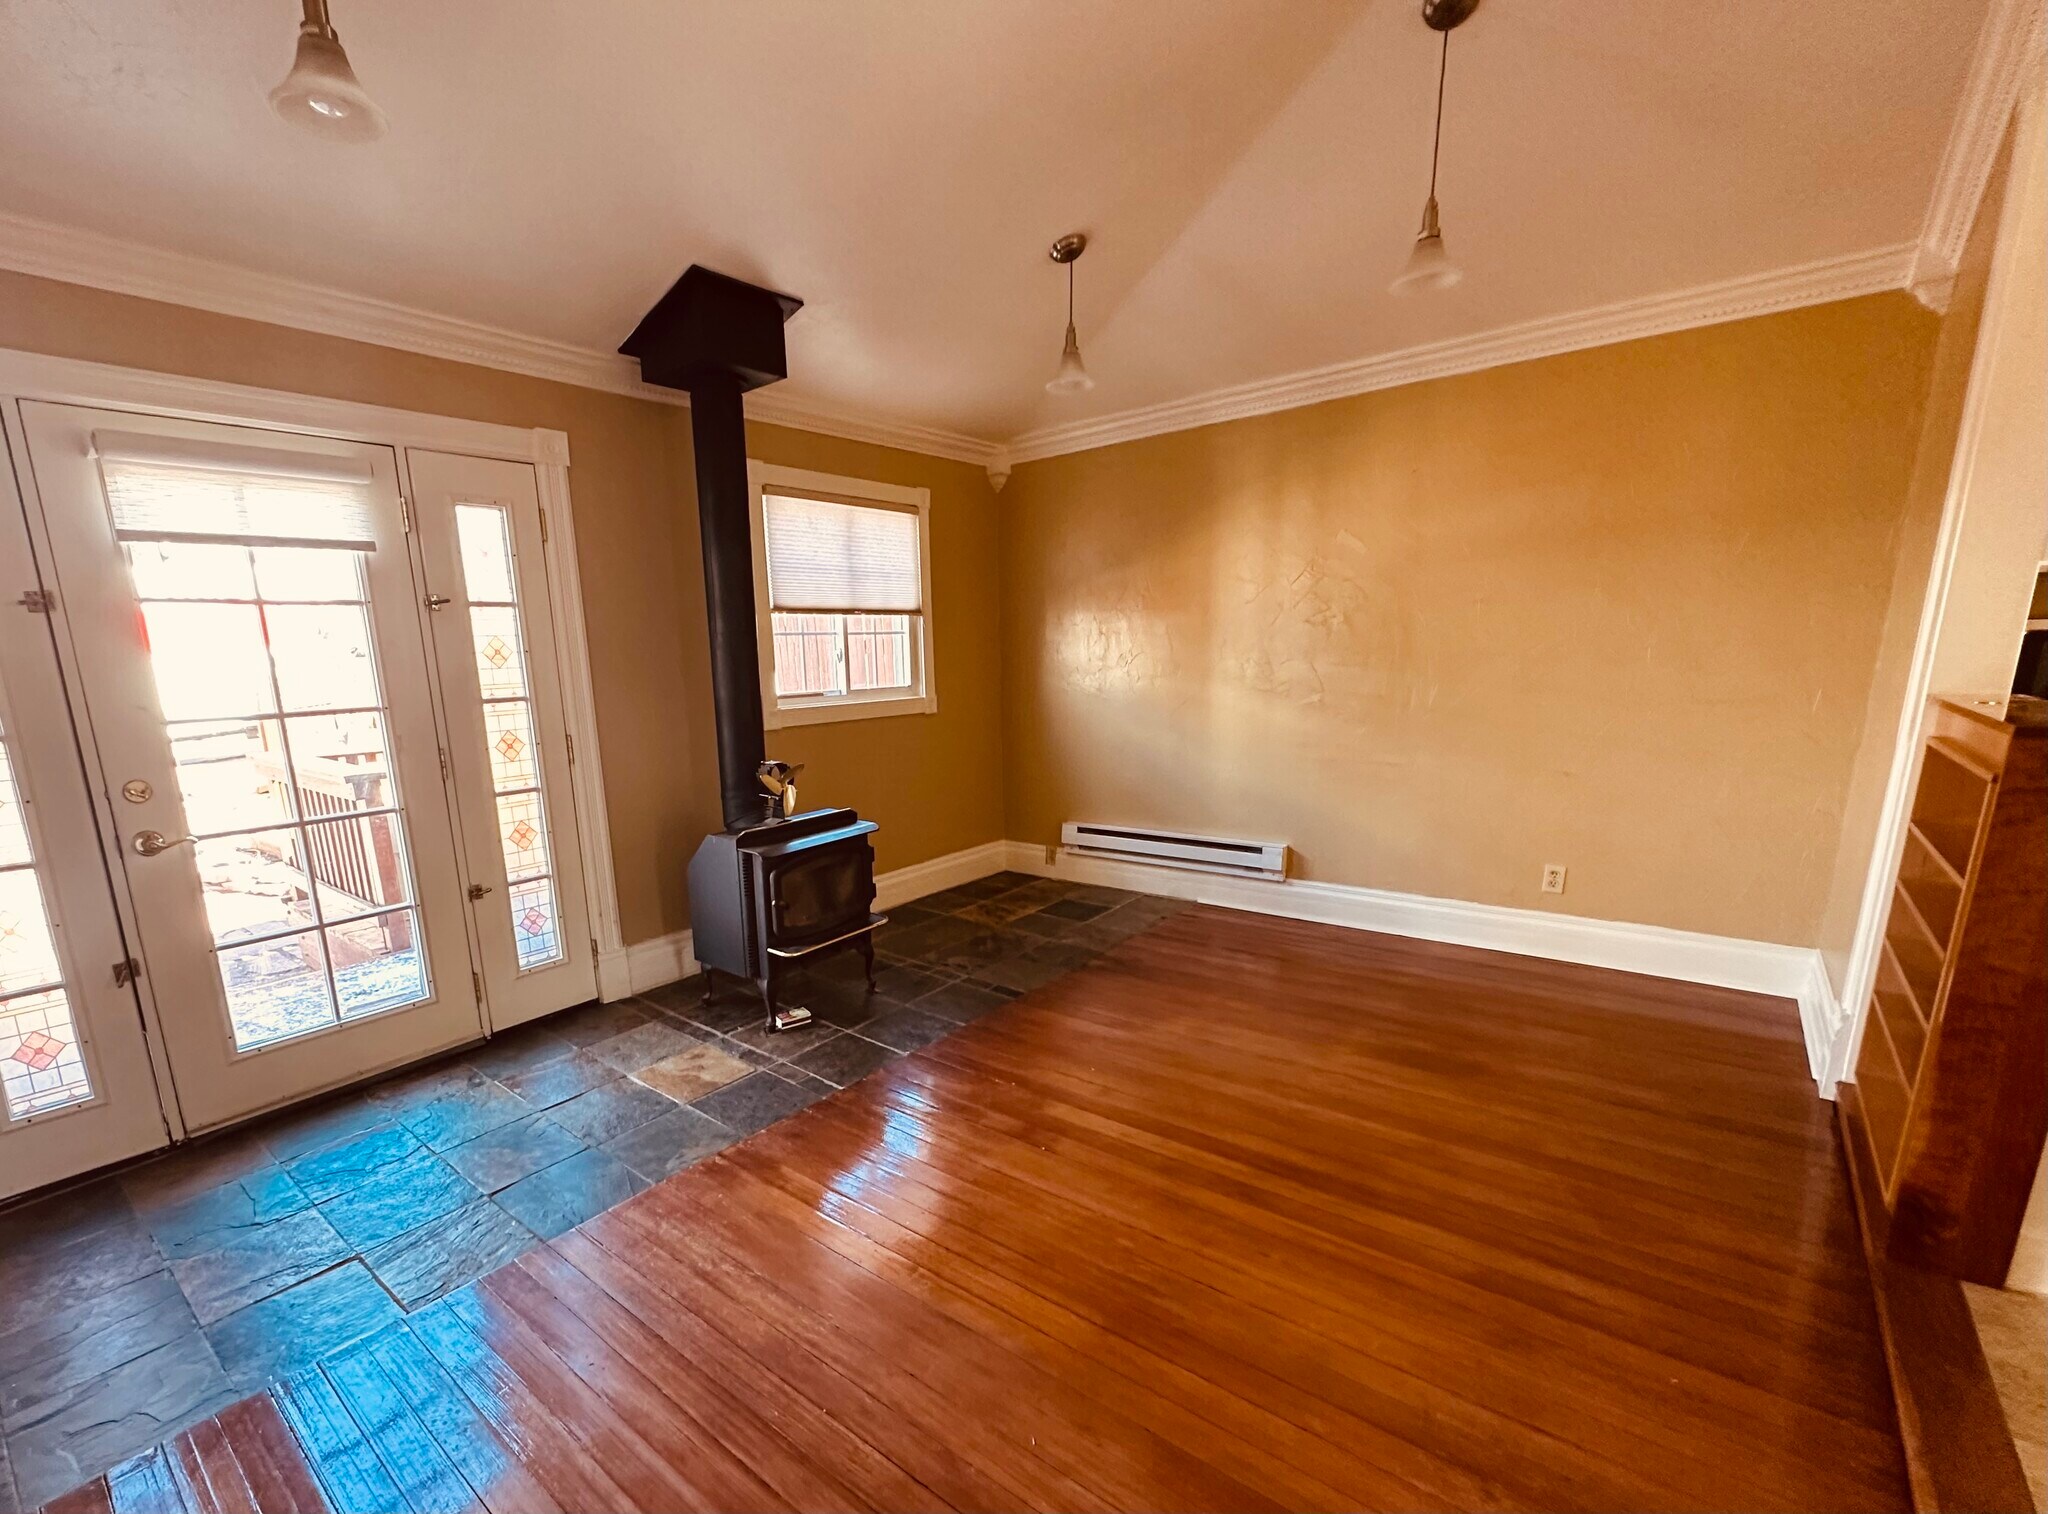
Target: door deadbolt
136,791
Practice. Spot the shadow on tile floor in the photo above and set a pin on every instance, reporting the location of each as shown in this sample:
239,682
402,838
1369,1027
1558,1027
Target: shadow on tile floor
136,1304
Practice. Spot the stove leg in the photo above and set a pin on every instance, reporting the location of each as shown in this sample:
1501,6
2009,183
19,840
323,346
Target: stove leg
709,988
779,1018
867,955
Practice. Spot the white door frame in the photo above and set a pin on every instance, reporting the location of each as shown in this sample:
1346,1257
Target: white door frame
38,376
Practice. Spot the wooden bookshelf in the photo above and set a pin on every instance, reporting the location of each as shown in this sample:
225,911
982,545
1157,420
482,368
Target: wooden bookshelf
1952,1078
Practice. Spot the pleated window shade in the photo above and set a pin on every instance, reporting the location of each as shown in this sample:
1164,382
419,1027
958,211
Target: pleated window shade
175,489
833,557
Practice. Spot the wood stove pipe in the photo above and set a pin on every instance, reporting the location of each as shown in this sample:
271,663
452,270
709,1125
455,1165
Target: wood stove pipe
718,337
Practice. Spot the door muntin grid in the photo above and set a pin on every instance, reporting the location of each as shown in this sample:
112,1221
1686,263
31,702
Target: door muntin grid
42,1054
268,681
484,549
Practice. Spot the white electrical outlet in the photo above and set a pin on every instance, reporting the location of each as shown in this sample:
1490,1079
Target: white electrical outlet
1553,878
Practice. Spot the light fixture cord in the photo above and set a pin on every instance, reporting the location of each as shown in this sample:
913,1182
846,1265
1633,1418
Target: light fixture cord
1437,142
1070,290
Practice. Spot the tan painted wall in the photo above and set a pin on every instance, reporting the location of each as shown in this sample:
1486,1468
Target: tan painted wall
1913,552
1616,609
632,482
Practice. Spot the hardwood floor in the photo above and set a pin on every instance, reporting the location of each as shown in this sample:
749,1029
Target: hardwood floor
1249,1214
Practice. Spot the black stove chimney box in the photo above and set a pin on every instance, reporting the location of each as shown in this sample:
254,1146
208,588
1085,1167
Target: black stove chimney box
766,892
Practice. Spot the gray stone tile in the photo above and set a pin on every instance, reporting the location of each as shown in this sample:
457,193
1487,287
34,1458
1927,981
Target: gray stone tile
59,1267
463,1111
330,1122
9,1504
610,1110
903,983
560,1197
53,1352
256,1263
206,1221
960,1002
298,1327
843,1060
1022,972
967,953
666,1146
592,1023
401,1197
631,1050
1074,909
443,1254
77,1434
195,1168
1095,893
754,1103
734,1006
562,1079
907,1029
784,1045
336,1169
511,1152
512,1052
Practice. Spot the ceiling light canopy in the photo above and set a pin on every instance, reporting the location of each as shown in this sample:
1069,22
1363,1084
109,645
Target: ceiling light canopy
1072,377
322,93
1429,266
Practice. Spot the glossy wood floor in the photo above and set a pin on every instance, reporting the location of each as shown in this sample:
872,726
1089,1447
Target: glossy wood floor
1250,1214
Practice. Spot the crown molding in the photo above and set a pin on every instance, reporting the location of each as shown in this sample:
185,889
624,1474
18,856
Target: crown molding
1708,304
75,256
2009,52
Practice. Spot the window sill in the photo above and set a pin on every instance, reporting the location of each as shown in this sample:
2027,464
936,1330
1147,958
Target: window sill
830,711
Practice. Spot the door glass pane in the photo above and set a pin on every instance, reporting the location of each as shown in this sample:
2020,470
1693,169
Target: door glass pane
483,536
299,822
190,570
42,1064
377,962
208,659
254,885
232,774
322,656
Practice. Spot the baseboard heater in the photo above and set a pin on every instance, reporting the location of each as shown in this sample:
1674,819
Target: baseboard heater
1206,854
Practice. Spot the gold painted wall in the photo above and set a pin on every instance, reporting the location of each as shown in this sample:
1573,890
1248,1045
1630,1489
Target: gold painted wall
1912,555
1617,609
633,485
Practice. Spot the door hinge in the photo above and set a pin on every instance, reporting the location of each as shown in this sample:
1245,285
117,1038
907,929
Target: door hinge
405,513
543,527
571,741
126,972
476,981
444,764
39,601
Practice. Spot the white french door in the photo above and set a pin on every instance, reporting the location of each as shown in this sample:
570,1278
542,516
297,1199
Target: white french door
481,536
246,624
76,1087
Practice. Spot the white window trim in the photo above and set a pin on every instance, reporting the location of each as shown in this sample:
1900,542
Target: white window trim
780,711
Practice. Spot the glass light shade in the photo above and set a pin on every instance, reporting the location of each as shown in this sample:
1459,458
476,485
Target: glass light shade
322,94
1428,267
1072,377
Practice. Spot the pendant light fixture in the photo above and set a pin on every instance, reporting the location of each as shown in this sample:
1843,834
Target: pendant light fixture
1429,266
1072,377
322,93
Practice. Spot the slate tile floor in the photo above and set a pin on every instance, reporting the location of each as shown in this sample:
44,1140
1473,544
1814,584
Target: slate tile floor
136,1304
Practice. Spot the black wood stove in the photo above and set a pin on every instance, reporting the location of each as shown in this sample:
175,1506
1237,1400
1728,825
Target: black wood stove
773,889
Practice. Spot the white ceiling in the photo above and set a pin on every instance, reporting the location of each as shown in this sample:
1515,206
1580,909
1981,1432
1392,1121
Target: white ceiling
1251,171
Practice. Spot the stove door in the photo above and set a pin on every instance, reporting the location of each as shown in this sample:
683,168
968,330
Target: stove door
819,895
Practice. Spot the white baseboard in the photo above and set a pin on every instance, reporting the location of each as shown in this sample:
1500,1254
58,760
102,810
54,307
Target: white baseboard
903,884
1790,972
669,959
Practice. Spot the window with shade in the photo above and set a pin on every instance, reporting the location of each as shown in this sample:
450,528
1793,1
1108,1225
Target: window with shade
842,584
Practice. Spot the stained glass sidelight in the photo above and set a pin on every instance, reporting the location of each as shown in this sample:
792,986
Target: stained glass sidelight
484,538
266,671
42,1065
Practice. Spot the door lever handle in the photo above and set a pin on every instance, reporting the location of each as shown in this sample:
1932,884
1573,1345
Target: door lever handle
150,843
